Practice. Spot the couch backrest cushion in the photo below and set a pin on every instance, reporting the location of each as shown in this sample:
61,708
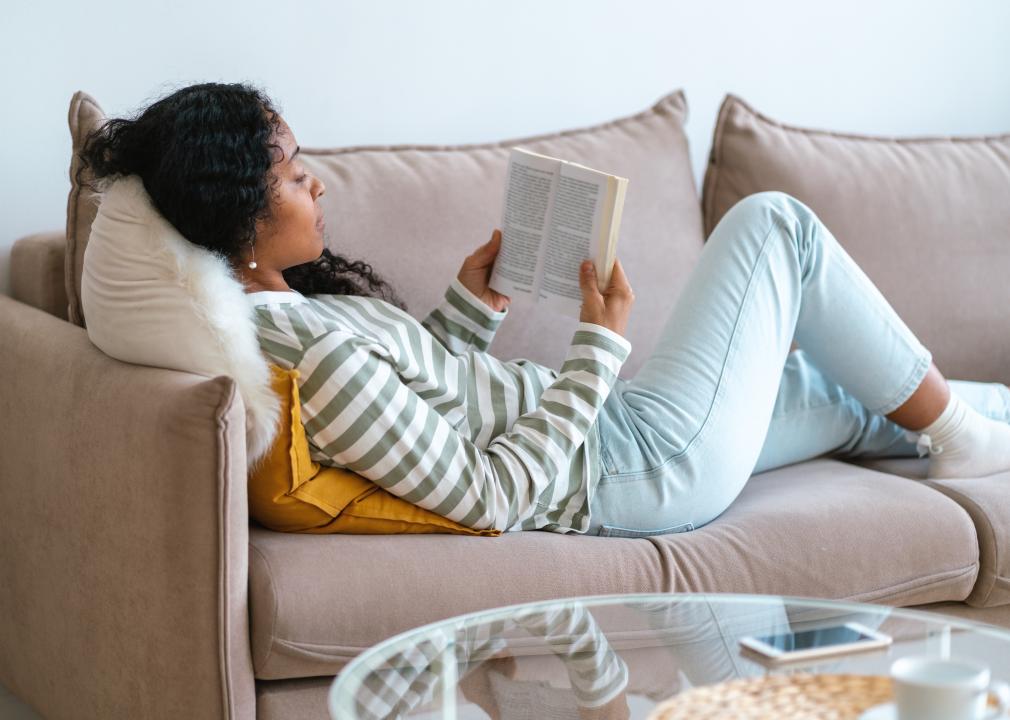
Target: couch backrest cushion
927,218
85,115
415,211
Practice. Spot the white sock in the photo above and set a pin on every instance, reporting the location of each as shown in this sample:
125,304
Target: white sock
963,443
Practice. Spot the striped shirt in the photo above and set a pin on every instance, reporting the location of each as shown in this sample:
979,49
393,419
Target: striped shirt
404,681
424,411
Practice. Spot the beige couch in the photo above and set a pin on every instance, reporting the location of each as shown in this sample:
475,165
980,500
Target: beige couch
134,584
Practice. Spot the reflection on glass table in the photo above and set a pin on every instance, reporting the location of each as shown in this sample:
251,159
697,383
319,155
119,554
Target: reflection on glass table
618,656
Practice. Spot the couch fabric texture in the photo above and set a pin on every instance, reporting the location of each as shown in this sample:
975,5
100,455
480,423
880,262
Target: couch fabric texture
987,502
126,531
131,511
39,260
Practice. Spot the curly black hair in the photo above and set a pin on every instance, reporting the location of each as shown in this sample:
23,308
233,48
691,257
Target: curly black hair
203,153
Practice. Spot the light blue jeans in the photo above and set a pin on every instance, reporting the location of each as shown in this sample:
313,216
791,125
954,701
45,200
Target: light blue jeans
721,397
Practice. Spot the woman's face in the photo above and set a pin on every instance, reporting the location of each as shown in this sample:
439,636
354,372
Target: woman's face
293,235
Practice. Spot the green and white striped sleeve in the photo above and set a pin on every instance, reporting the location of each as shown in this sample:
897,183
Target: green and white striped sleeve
596,671
462,321
358,412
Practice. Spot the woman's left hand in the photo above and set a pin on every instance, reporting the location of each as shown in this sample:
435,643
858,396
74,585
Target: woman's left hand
476,272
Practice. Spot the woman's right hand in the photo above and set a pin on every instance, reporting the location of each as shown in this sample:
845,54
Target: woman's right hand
611,307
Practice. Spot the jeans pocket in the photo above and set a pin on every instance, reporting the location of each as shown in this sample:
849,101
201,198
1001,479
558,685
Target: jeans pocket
614,531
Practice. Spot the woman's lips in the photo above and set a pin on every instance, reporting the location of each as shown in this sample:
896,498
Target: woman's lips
321,223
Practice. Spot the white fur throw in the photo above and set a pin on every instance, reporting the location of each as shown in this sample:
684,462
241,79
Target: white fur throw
151,297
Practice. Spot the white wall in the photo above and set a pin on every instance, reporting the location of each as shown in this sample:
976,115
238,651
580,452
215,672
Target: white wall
446,71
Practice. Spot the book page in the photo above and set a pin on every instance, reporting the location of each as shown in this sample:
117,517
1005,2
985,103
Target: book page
573,236
529,187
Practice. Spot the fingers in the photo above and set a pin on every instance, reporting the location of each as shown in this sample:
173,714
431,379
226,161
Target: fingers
491,246
609,308
618,280
485,253
587,280
617,276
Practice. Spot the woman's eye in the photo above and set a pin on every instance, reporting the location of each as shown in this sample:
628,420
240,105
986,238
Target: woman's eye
301,178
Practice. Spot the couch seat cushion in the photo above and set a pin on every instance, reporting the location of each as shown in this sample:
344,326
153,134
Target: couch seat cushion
822,528
987,501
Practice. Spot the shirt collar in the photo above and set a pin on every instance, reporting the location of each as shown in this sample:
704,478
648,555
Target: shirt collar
265,297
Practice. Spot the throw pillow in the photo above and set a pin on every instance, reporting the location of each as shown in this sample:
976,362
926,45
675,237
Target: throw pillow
154,298
926,218
290,492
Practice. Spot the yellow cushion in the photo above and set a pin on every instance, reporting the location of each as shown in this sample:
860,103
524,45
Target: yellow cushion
290,492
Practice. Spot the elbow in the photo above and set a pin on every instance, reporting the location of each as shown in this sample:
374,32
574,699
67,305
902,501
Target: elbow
495,504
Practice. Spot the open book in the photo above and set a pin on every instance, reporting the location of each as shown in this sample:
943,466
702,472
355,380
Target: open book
556,214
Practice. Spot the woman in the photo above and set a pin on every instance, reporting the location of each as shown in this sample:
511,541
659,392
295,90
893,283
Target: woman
423,410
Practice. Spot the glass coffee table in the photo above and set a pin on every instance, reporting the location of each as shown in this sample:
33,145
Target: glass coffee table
646,656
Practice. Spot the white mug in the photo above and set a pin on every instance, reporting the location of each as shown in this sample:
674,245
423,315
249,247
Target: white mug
934,689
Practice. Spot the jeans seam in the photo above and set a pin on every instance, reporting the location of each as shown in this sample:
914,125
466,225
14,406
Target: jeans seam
829,403
633,476
606,461
606,458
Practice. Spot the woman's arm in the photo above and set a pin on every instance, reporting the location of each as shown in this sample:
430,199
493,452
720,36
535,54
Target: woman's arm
462,321
471,311
358,412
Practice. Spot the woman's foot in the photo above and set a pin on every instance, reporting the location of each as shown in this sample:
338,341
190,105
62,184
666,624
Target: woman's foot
964,443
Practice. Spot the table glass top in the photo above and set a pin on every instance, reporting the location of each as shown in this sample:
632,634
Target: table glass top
619,656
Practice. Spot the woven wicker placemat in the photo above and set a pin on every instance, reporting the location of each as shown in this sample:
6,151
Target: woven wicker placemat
801,696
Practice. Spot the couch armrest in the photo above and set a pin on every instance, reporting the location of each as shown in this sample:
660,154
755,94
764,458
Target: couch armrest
37,272
124,538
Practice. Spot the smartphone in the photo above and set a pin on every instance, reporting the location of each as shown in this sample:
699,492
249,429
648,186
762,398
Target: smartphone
815,643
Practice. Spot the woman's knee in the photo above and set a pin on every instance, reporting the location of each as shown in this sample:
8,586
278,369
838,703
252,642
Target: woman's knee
771,203
797,222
